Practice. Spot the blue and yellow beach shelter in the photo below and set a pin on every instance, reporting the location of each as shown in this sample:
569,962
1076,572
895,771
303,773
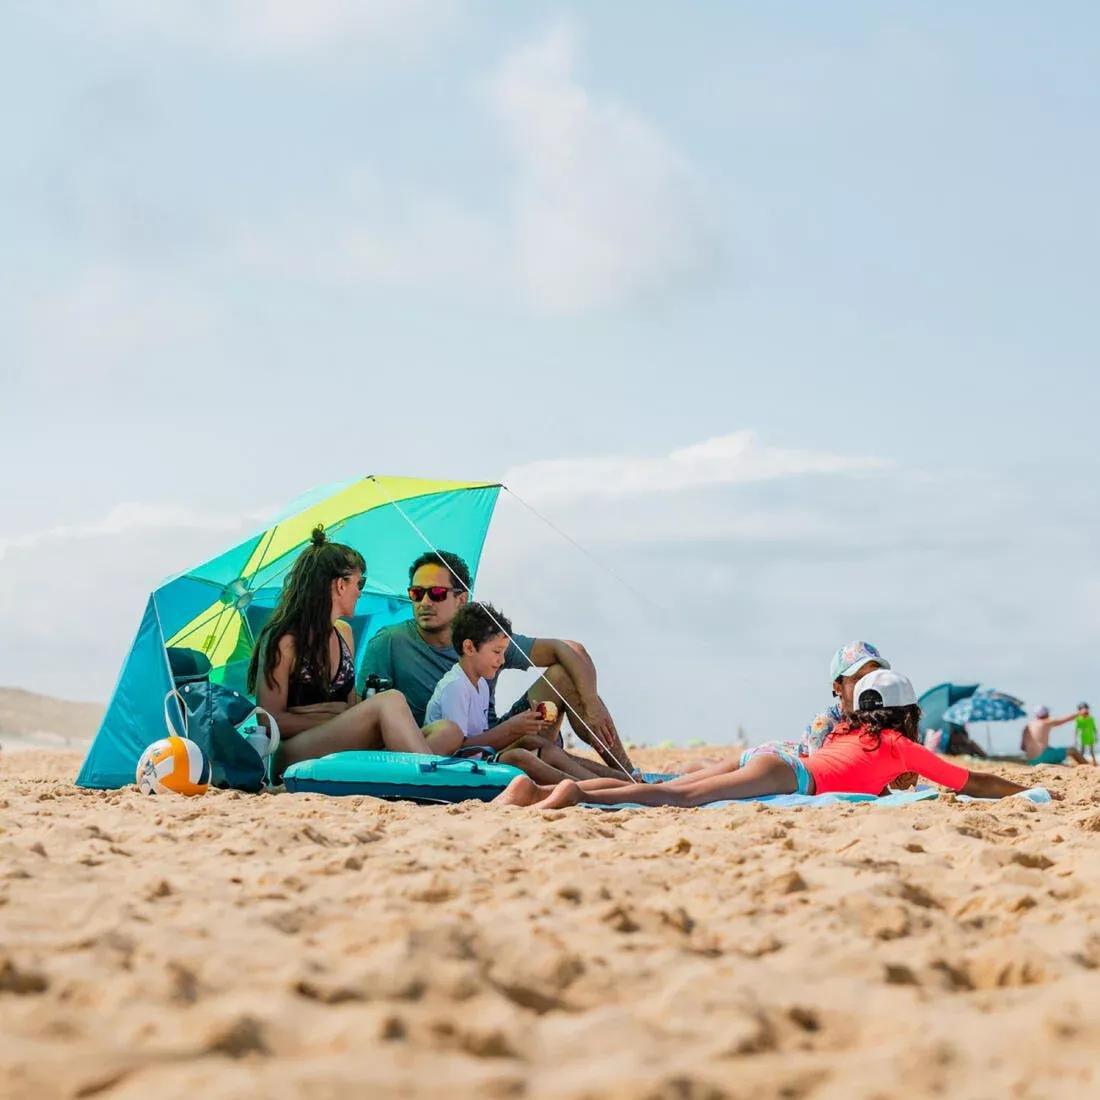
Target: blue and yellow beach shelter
214,612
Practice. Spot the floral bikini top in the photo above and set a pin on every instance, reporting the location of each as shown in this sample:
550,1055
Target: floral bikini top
304,689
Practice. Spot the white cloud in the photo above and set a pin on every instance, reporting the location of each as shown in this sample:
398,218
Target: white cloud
605,208
601,209
277,27
127,519
732,459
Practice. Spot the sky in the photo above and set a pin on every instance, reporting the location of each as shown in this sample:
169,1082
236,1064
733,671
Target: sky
786,313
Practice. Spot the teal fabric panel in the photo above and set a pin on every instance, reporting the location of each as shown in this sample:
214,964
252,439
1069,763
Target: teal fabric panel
179,601
456,521
222,570
135,716
311,497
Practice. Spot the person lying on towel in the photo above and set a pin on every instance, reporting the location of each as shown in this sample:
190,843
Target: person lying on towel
849,665
480,636
864,754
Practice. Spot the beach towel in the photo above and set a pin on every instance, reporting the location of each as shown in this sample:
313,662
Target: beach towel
1037,795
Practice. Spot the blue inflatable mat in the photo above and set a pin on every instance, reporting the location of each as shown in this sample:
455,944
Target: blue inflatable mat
400,775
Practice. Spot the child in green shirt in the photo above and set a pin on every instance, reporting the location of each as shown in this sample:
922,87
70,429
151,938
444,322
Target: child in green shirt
1086,730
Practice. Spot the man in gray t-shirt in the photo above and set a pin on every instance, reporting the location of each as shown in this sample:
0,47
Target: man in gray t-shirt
414,655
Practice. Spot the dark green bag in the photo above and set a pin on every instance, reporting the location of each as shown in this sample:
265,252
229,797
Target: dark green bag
213,718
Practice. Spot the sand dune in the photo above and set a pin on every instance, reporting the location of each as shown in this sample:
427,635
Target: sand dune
298,946
31,720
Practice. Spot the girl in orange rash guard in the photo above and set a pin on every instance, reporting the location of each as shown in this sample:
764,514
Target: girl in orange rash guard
863,755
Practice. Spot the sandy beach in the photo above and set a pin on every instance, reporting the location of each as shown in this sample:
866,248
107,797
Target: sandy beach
298,946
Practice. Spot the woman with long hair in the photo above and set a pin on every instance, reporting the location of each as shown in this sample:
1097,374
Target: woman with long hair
303,670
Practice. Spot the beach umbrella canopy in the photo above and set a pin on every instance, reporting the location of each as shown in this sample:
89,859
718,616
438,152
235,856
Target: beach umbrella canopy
213,612
985,705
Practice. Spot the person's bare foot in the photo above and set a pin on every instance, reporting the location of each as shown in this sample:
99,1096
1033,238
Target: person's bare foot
522,791
566,793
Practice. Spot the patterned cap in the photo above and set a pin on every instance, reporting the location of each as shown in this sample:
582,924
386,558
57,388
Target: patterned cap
852,657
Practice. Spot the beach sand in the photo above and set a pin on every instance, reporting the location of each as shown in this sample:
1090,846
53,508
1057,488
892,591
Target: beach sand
299,946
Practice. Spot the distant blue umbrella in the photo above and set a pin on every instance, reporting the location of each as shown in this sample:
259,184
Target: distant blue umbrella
985,706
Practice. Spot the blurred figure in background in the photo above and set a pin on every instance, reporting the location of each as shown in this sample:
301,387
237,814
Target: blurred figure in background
1035,742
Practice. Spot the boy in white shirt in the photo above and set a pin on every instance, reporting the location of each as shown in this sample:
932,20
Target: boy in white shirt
480,634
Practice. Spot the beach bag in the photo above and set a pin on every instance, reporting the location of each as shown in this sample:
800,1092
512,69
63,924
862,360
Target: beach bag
216,718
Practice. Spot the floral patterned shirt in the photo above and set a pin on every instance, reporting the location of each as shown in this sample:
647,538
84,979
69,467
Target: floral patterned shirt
813,736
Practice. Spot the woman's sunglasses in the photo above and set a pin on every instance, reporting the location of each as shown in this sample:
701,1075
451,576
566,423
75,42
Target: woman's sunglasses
437,593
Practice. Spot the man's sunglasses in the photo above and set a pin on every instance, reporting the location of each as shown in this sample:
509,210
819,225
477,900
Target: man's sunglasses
437,593
360,583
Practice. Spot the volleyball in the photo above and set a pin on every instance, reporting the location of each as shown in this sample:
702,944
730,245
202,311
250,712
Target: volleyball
173,765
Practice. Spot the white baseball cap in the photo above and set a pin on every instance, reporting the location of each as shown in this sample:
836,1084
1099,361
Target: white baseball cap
883,688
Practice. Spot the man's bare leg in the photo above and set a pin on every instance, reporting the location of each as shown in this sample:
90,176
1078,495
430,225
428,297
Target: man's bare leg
556,686
579,767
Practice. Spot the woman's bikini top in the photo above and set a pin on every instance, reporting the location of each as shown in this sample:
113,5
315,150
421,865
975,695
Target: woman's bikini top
304,689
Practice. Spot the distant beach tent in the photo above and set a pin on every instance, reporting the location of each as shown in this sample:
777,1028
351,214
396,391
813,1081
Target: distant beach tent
211,615
935,702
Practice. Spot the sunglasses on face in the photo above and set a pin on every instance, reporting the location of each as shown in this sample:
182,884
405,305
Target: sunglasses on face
437,593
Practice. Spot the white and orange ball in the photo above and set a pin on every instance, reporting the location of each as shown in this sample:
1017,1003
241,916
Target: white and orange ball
173,765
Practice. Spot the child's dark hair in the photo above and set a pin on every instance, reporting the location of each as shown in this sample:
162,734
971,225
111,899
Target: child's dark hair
459,570
869,724
477,622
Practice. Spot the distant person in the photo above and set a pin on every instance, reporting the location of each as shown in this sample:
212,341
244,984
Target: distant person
480,633
414,655
878,742
1086,731
303,668
1035,741
958,742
